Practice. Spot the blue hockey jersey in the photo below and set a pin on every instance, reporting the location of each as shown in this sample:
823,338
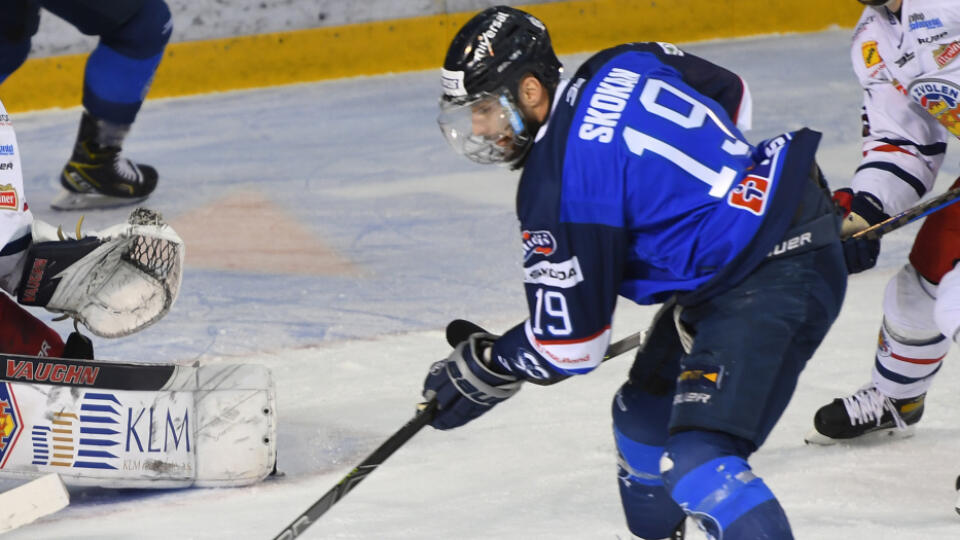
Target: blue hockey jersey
641,186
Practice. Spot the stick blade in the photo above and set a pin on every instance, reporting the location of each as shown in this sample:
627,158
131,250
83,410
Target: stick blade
458,330
31,501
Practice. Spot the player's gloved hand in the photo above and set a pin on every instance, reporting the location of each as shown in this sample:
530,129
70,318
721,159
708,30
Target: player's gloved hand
861,210
860,254
464,385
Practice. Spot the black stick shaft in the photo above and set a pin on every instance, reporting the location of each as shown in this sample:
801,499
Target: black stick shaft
910,215
354,477
398,439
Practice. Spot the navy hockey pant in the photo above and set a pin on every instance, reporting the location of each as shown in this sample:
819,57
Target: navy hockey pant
685,424
133,35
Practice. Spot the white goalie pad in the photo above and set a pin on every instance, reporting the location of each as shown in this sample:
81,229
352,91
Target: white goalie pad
210,426
127,283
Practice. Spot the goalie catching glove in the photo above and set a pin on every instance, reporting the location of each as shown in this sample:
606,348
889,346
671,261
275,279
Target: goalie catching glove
116,282
464,385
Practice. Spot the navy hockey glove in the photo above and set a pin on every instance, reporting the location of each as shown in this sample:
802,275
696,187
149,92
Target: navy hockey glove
860,210
863,211
463,384
860,254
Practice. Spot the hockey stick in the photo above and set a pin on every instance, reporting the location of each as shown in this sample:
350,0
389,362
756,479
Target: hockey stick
31,501
398,439
910,215
87,373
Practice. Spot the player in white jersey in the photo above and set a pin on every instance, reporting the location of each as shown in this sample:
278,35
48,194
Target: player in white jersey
103,280
906,55
20,332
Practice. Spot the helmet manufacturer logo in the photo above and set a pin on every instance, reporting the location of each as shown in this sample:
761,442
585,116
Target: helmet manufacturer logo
485,40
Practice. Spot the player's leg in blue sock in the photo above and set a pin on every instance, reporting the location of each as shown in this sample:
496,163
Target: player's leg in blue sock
707,473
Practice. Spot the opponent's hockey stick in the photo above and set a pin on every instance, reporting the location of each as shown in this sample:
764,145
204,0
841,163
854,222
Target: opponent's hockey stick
910,215
420,419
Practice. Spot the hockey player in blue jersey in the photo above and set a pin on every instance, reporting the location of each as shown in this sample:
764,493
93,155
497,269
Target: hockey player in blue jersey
638,183
133,35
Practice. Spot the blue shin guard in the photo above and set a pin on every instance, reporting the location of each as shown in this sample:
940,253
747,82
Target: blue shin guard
707,473
640,431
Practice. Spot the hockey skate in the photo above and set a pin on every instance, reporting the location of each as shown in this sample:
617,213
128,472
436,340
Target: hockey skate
866,412
97,176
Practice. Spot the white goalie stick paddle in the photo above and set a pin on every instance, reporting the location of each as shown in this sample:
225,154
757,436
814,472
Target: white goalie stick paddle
423,417
31,501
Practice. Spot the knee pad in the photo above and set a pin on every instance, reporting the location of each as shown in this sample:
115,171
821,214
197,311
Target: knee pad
708,475
145,34
640,431
946,312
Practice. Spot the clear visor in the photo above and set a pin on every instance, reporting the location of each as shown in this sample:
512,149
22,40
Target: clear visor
487,128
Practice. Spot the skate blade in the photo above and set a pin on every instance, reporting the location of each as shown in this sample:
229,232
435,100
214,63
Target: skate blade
874,437
68,200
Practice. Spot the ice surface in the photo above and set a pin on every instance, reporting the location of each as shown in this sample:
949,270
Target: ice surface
403,236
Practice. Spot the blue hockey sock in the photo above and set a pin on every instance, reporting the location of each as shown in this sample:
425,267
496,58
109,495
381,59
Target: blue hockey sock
115,85
640,431
121,68
707,473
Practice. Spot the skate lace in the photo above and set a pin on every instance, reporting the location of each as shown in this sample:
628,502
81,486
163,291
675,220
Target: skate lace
868,404
126,169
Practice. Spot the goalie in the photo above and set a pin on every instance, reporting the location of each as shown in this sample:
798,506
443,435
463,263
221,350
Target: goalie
115,282
172,425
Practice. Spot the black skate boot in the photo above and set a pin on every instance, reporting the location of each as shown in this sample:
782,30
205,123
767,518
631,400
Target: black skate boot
866,412
97,176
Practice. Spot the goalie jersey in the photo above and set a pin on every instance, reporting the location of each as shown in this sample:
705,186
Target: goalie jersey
15,217
641,185
910,74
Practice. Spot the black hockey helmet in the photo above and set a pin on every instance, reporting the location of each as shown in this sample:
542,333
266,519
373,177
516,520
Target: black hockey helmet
875,3
481,73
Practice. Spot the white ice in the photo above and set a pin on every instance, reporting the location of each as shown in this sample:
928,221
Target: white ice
361,166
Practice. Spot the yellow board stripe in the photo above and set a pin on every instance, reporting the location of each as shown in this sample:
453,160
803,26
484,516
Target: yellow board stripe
420,43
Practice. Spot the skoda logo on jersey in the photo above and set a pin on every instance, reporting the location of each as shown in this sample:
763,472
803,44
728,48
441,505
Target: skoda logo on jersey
6,149
539,243
10,423
940,98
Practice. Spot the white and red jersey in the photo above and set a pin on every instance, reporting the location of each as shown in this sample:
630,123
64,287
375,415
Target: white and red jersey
15,217
909,69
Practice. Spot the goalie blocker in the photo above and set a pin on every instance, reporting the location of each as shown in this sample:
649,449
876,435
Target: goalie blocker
136,425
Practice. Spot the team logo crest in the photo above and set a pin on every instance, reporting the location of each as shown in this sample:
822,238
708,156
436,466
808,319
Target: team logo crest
750,194
940,98
538,243
871,55
10,423
8,198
